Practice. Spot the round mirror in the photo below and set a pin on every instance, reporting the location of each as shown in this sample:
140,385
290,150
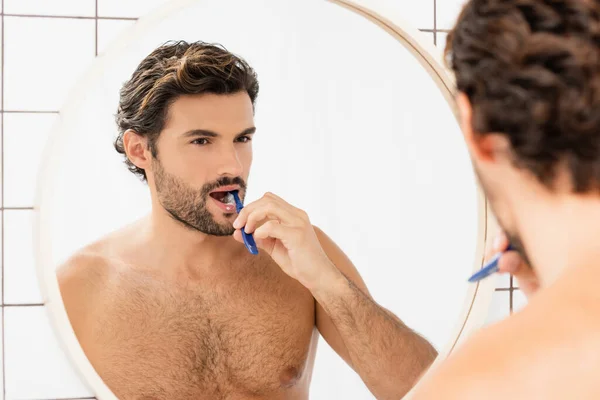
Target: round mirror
354,125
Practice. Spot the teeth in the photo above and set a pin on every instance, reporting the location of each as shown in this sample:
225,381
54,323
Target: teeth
228,199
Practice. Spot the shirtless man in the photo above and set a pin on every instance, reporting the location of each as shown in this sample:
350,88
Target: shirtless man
173,307
528,76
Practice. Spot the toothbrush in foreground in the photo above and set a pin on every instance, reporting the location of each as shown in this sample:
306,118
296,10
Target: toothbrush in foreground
248,238
490,268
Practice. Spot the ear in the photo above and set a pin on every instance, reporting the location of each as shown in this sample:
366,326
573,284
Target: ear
483,147
136,148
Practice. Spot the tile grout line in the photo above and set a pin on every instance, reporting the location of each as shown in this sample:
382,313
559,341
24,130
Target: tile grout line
71,398
96,34
69,17
2,199
27,112
437,30
435,22
510,300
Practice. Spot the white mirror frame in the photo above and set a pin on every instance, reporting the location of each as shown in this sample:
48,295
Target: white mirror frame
477,298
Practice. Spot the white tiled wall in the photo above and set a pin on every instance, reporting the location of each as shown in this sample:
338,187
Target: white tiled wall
84,8
108,30
44,50
19,273
447,12
38,69
24,134
35,367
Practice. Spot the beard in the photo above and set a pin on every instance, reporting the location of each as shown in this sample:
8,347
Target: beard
188,205
514,238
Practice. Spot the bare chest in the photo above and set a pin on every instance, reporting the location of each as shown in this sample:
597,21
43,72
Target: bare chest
248,340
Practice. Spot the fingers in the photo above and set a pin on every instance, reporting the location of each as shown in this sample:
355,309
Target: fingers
265,244
271,229
266,234
500,243
255,220
274,211
266,211
269,207
512,263
275,230
509,261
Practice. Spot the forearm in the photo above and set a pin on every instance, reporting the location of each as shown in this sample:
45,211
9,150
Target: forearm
387,354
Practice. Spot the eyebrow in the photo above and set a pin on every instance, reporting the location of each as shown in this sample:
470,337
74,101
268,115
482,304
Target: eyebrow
212,134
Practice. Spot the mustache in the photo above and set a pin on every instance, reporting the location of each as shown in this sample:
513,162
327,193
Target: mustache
225,181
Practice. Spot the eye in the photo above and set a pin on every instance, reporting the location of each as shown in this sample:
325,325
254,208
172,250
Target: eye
201,141
244,139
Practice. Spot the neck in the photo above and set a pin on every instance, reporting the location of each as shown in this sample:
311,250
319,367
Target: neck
172,244
560,232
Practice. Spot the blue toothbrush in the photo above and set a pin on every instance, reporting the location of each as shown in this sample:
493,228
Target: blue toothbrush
490,268
248,239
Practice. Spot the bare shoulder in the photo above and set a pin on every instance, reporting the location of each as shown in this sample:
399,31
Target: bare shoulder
88,270
549,350
83,281
82,271
81,277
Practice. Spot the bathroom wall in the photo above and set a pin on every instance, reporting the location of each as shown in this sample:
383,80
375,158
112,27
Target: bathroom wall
45,45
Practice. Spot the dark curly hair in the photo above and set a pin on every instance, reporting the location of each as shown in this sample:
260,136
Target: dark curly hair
531,70
174,69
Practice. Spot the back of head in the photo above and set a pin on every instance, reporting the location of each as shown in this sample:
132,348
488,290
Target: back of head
531,70
170,71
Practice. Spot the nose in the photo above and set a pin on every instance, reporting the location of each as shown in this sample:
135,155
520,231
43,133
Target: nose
229,162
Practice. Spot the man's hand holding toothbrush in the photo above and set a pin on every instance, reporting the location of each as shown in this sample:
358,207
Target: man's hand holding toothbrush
512,263
286,234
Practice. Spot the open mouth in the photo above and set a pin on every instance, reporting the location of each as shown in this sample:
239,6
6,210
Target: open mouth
223,197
